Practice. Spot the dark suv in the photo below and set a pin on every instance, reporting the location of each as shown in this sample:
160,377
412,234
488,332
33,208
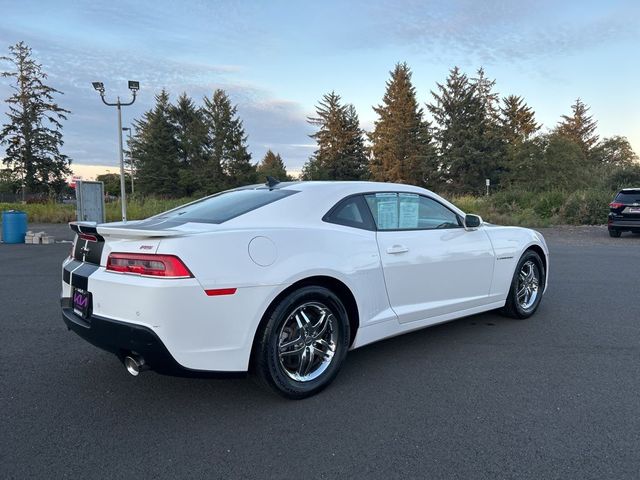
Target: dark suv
624,215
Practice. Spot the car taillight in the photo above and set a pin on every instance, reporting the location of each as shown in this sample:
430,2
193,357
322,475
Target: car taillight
166,266
616,204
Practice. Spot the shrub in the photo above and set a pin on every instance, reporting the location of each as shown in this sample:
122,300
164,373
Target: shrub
548,204
586,207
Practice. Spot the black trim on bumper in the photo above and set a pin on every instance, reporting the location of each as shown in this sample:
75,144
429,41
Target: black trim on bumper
624,225
121,338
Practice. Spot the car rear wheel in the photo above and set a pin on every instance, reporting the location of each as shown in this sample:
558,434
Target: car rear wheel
615,233
304,342
527,286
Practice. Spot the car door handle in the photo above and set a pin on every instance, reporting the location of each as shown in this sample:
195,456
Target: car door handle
394,249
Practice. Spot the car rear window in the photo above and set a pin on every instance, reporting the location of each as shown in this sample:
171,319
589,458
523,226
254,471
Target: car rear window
226,205
629,197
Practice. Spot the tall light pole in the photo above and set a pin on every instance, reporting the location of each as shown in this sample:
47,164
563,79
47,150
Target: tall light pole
134,87
128,130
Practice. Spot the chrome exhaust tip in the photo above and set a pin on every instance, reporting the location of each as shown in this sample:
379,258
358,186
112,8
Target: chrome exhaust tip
134,364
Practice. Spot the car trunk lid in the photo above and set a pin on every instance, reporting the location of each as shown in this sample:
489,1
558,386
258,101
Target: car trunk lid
93,242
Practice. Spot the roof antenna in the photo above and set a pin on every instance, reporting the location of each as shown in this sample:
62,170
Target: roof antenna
272,182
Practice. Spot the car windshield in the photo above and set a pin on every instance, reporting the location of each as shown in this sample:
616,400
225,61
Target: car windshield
628,197
226,205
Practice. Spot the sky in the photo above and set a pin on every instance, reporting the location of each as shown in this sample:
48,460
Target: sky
277,58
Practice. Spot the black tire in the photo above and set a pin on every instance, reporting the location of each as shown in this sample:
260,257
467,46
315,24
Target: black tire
615,233
268,366
512,307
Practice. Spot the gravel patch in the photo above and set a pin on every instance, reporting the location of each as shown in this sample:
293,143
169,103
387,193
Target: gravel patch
587,235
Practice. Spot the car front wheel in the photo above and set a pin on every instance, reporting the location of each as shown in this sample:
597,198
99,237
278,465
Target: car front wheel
527,286
303,343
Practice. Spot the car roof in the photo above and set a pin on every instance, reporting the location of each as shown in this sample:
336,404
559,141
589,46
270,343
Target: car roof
633,190
314,199
356,186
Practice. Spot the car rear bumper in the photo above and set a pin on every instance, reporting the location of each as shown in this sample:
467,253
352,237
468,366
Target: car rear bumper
122,339
615,224
200,332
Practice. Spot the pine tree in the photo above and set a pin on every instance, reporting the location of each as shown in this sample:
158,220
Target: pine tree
272,166
484,91
341,154
155,149
228,161
33,135
579,127
517,127
468,142
191,137
517,120
402,150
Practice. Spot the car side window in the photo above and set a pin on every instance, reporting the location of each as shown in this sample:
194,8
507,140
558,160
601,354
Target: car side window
410,211
351,212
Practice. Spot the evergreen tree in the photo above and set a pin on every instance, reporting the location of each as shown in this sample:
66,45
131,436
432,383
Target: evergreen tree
155,149
484,91
191,137
517,126
272,166
517,120
579,127
341,154
33,135
228,162
402,150
468,142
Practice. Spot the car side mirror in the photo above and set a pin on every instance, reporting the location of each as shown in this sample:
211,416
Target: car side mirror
471,222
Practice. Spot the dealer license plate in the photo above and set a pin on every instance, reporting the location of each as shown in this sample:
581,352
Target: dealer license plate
82,303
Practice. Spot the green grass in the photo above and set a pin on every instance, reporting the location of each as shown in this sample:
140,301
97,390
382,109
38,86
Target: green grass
137,209
507,207
44,212
140,208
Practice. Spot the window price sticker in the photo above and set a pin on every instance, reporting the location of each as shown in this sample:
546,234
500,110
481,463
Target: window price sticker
387,206
409,209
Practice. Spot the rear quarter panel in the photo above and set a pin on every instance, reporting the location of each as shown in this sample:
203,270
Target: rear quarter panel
223,259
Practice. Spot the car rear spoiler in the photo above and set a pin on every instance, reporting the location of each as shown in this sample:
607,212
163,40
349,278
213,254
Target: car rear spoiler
123,231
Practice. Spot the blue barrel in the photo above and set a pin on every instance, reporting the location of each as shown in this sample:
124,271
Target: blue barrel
14,226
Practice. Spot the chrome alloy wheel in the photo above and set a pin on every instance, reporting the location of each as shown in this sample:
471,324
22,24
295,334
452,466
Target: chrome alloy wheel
307,341
528,285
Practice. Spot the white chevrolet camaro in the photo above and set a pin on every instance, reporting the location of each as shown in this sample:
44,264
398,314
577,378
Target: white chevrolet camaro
283,279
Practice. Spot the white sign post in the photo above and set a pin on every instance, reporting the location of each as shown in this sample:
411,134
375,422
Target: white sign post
488,182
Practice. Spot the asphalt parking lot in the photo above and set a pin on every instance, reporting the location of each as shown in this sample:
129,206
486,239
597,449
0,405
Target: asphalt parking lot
556,396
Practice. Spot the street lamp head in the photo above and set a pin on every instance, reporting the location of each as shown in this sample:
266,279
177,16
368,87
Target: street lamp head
99,86
134,86
126,129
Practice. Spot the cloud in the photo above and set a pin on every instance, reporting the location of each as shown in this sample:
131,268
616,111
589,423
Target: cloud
492,31
91,131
